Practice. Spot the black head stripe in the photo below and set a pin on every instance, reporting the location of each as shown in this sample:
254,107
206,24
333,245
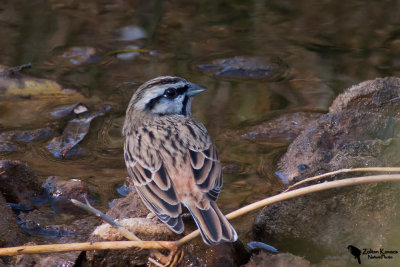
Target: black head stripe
163,81
184,104
153,102
182,90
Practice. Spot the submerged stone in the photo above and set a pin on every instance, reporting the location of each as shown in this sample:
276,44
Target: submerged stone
19,184
61,190
283,128
269,68
27,136
7,147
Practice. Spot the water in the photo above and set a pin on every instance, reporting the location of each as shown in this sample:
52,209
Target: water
327,46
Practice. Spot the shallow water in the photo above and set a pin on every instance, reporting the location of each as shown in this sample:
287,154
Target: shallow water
326,47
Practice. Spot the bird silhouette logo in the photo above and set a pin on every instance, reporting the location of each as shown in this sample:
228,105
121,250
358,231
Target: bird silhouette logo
356,252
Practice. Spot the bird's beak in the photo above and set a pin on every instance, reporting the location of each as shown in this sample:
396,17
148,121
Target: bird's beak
194,89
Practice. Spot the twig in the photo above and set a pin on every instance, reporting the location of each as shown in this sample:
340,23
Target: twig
89,208
368,169
14,70
114,245
312,189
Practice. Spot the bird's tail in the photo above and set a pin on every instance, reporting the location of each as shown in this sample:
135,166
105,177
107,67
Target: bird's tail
214,227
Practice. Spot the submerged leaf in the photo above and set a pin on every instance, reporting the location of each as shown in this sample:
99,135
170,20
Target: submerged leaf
75,131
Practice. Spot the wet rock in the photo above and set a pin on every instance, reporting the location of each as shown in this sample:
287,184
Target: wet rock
279,260
27,136
19,184
24,100
128,207
360,130
269,68
37,223
11,234
224,254
144,228
71,110
132,33
62,190
131,257
75,56
196,252
16,84
284,128
38,260
65,146
7,147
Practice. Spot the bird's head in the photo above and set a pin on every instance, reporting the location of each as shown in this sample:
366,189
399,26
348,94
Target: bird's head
165,95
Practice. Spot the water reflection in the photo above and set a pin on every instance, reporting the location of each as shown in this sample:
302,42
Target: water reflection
327,45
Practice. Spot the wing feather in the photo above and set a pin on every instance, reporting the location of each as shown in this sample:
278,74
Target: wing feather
207,170
154,186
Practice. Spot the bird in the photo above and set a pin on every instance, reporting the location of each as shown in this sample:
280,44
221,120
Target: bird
356,252
172,160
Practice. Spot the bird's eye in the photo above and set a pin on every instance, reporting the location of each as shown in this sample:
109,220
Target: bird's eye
170,93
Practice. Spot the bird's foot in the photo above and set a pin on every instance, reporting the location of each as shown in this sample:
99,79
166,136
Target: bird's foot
172,259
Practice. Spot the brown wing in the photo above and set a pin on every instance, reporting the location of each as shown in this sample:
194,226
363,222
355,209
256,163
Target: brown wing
207,170
207,173
153,183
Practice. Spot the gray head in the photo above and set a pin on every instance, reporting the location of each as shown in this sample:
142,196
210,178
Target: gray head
165,95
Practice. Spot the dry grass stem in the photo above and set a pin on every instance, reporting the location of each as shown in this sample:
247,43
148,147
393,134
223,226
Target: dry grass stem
368,169
113,245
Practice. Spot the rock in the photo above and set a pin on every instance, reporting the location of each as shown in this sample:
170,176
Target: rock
71,110
14,83
123,208
20,95
277,260
283,128
74,56
37,223
54,259
224,254
269,68
360,130
145,229
7,147
62,190
26,136
196,252
19,184
128,207
11,234
131,257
